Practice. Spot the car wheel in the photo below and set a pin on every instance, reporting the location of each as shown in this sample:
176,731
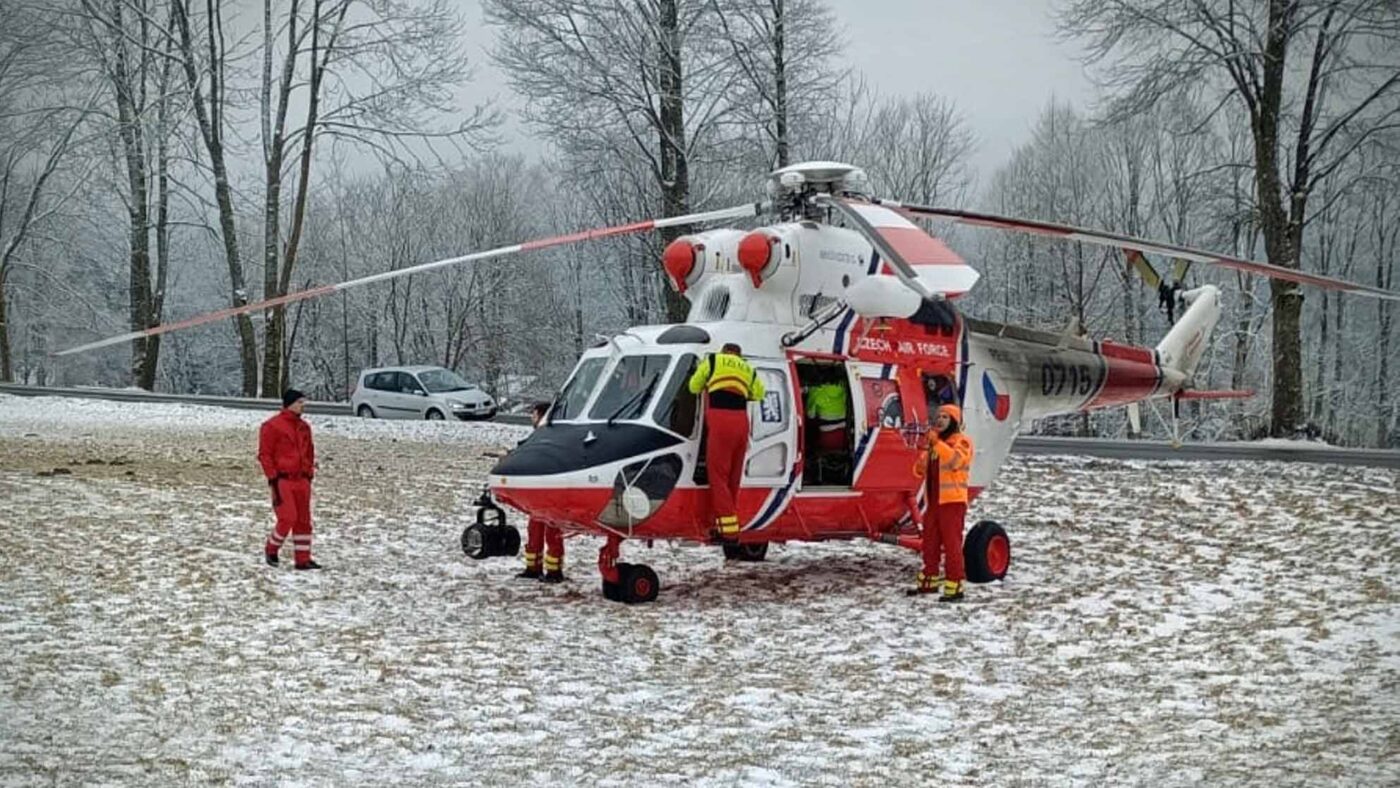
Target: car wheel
435,415
365,412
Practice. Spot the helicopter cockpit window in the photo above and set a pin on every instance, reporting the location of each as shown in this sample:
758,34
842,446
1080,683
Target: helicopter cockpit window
677,409
630,387
569,404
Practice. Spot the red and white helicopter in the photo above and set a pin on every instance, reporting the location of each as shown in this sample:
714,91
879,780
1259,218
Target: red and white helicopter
845,287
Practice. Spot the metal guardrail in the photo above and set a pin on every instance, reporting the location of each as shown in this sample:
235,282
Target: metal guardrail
243,403
1025,444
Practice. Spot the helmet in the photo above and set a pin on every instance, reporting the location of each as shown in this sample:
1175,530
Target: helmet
953,411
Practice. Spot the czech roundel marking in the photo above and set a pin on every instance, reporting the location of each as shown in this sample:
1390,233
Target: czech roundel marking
998,403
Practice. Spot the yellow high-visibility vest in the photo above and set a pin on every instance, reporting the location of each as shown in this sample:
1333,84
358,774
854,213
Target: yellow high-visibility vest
727,372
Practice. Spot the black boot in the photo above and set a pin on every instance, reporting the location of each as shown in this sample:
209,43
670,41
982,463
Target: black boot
308,564
529,573
270,558
553,577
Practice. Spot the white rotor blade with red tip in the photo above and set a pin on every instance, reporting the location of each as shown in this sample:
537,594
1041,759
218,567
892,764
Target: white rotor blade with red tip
1071,233
924,263
737,212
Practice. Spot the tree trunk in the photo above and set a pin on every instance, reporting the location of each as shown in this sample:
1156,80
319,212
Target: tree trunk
780,108
274,141
6,363
1279,227
1385,278
289,257
210,120
675,175
138,217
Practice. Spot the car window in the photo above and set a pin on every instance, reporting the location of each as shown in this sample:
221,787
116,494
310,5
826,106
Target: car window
677,409
379,381
569,404
438,381
630,387
406,383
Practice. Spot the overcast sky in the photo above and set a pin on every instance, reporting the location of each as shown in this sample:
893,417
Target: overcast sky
999,60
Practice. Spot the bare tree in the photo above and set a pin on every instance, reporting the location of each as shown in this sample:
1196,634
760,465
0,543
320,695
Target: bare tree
783,50
1316,78
622,81
210,113
37,133
371,71
131,43
918,148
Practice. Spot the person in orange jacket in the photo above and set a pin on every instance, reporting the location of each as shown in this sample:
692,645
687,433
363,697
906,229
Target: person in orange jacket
544,544
950,461
288,458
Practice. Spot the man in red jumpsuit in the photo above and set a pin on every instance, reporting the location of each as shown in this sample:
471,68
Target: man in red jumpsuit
288,460
542,541
730,384
950,462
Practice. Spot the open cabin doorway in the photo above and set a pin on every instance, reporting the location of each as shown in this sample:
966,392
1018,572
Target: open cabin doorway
828,423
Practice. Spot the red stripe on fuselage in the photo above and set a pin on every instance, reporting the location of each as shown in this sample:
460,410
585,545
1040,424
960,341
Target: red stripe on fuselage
686,512
1130,374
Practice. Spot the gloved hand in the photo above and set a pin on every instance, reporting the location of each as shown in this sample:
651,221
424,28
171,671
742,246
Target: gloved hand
276,495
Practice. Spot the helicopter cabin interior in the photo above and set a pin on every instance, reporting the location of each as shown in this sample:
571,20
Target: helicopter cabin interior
828,424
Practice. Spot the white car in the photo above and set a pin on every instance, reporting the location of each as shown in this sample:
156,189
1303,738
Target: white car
418,393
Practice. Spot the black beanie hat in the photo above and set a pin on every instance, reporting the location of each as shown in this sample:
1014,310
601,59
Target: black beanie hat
290,396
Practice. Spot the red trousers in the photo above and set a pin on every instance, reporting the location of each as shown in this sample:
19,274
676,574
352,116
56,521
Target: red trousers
293,507
724,458
831,440
943,538
543,542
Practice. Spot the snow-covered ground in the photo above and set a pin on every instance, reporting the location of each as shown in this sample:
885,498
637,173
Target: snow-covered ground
1163,624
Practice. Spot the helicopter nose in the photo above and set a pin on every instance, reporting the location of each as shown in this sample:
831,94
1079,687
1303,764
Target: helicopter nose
564,448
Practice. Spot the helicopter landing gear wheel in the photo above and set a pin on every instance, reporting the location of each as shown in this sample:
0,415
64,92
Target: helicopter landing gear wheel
636,583
489,536
986,552
630,584
746,552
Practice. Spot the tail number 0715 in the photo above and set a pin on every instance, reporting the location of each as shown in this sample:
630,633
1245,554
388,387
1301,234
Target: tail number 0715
1059,379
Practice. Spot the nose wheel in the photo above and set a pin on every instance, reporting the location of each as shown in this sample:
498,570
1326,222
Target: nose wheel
631,584
489,536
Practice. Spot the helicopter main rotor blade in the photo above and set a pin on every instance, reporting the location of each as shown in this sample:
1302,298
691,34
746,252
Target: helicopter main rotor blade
736,212
907,249
1068,232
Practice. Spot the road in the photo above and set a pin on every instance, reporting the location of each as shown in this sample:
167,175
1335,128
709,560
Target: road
1025,444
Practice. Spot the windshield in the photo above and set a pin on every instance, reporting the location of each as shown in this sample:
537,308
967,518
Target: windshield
439,380
630,387
571,399
677,409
